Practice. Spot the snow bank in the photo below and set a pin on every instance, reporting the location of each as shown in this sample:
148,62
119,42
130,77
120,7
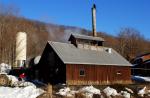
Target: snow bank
13,80
66,92
16,83
25,92
23,84
125,94
5,68
141,79
142,92
129,90
110,91
89,91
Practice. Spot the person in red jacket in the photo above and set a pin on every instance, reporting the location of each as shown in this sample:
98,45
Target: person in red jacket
22,76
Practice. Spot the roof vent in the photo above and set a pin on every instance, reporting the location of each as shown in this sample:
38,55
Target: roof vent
109,50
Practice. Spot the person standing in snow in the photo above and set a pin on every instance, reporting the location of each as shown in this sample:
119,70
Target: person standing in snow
22,77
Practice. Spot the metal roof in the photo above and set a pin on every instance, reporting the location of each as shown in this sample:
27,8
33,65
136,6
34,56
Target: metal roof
69,54
78,36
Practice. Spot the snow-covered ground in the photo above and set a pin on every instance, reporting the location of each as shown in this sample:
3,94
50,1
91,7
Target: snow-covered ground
22,92
107,92
66,91
88,91
110,91
141,79
17,89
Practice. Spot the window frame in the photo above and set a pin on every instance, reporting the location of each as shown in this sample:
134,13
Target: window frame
119,72
82,70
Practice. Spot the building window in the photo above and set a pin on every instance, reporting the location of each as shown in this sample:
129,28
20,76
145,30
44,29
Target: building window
118,73
82,72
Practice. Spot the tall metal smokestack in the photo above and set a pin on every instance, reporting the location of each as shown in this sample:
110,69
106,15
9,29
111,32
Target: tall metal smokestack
94,20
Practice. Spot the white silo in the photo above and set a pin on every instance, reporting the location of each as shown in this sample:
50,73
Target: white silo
21,49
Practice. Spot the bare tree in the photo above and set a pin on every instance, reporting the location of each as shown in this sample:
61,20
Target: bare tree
130,41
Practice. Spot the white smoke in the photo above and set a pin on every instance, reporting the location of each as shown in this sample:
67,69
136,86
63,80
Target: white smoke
62,34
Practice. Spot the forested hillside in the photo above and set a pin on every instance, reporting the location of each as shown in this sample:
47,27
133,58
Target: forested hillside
129,42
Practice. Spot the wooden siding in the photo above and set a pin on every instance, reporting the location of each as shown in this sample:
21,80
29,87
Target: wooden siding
97,74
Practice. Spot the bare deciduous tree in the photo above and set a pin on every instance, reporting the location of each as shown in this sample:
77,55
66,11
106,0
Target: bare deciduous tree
130,42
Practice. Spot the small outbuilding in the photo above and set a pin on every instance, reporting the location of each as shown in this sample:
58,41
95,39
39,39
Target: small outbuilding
83,61
141,65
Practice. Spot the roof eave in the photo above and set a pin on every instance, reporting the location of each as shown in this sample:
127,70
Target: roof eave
98,64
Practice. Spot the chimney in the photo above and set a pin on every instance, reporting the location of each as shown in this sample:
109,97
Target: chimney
94,20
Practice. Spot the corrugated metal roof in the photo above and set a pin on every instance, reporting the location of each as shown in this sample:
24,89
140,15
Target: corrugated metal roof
69,54
87,37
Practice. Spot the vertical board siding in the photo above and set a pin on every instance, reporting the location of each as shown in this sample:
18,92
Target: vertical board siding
95,74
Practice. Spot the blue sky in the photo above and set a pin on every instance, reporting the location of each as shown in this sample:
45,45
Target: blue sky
112,15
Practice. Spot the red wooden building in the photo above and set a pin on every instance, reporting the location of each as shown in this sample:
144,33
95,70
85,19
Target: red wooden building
83,61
